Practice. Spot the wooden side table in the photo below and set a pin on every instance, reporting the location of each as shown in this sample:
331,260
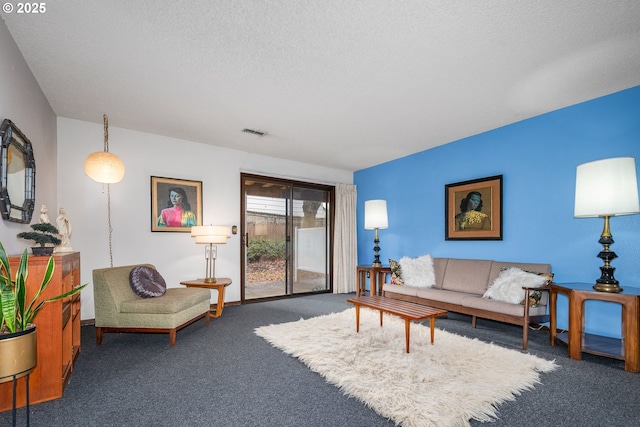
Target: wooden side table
377,276
578,342
220,284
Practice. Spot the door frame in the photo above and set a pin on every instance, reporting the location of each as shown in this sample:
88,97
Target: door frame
243,231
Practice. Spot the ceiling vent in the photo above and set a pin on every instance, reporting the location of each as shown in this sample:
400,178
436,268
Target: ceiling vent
254,132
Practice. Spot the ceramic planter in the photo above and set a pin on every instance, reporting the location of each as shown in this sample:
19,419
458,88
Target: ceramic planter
19,354
42,250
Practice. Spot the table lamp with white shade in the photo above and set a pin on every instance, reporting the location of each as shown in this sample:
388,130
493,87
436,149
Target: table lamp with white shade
210,235
375,218
607,188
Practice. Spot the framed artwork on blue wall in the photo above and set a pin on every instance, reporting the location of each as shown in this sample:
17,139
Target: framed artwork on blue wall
473,209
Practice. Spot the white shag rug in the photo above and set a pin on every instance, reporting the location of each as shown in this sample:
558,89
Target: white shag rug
445,384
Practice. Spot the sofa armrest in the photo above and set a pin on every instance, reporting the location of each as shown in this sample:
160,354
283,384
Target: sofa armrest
541,288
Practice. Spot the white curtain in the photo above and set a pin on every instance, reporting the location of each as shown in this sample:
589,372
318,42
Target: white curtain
345,249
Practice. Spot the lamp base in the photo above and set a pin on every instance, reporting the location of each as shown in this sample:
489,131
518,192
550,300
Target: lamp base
209,254
376,250
606,282
608,287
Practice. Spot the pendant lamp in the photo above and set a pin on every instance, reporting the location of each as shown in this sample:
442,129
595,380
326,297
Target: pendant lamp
103,166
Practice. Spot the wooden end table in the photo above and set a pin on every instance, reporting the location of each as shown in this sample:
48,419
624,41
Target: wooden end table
578,342
406,310
376,275
220,284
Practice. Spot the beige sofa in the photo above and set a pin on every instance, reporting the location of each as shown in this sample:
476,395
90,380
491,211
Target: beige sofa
460,285
119,309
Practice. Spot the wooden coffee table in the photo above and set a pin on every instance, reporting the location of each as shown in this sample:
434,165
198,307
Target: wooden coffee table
404,309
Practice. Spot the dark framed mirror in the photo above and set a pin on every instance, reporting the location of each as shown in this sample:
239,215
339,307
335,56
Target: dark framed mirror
17,175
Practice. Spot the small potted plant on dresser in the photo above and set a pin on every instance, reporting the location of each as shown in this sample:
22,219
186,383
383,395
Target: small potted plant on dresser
45,236
17,331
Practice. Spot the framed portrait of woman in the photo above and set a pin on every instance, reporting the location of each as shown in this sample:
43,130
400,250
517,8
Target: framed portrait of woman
176,204
473,209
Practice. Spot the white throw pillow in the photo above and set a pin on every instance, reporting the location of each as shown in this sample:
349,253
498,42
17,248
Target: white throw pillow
507,287
418,272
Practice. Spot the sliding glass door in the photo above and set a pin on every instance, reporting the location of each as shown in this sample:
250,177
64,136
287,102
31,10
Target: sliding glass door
286,237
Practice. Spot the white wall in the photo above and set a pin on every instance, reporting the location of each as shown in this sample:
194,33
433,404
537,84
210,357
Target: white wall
22,101
175,255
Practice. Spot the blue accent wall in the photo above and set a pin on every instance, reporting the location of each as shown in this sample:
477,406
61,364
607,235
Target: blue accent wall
537,158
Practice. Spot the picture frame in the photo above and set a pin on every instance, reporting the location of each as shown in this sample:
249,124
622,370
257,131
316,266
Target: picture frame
164,215
473,209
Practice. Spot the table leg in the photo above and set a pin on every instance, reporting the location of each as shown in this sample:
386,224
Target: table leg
359,279
630,333
380,280
576,325
432,322
407,326
373,283
220,305
357,318
381,318
553,301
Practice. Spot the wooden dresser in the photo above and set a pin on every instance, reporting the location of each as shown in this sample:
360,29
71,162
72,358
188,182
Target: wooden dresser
58,329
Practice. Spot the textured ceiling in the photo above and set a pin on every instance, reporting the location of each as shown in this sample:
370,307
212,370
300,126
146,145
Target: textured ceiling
346,84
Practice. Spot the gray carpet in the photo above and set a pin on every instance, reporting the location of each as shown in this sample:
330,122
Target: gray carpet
225,375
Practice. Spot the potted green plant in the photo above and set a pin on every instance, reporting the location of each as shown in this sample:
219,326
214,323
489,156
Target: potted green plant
45,236
17,330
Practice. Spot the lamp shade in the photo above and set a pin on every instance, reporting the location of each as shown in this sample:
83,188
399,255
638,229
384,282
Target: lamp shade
607,187
375,214
104,167
213,239
215,234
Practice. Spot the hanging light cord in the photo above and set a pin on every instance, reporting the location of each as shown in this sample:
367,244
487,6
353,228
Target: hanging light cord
106,149
109,221
106,133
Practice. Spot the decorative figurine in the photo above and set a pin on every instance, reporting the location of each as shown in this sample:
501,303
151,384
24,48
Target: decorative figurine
44,216
64,228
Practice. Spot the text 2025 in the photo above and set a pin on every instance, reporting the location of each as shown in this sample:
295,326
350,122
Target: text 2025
31,7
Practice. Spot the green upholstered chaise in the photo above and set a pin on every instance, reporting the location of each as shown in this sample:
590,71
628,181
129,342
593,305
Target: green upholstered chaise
119,309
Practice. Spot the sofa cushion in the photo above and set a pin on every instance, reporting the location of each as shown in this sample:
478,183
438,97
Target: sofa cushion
442,295
467,275
439,268
146,282
495,306
507,287
396,272
174,300
418,272
399,289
